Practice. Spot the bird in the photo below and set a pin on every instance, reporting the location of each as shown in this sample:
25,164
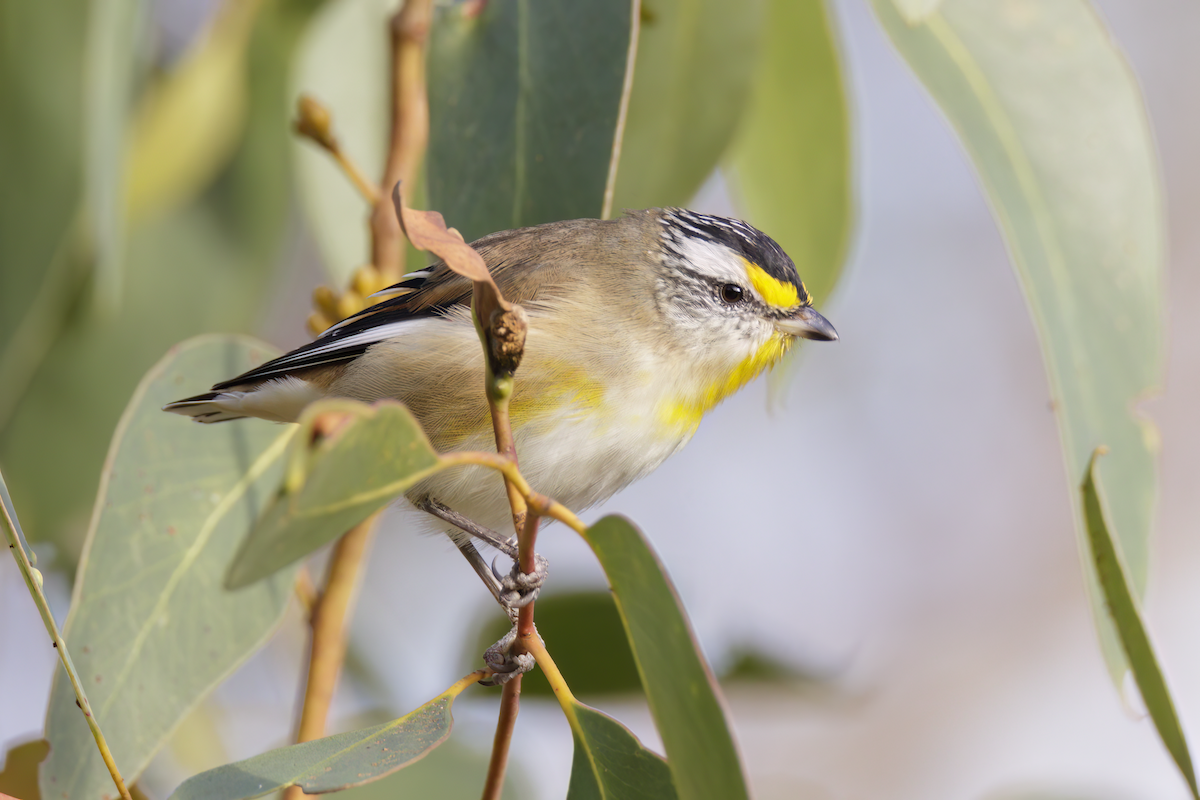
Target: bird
637,327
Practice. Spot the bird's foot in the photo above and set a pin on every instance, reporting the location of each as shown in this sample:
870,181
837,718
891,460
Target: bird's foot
504,663
519,589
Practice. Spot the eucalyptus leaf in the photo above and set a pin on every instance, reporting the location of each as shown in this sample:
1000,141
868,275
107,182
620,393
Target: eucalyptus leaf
205,266
524,104
335,762
1053,120
692,78
1123,608
611,764
151,630
683,694
335,482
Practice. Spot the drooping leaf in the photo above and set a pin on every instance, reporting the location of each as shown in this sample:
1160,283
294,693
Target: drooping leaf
1054,122
680,687
791,157
1123,608
335,762
524,104
334,482
611,764
151,628
693,75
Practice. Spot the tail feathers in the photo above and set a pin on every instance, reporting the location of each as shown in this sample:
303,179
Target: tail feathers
278,400
205,408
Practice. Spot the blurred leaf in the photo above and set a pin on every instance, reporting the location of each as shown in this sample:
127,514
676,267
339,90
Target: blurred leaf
751,665
110,72
1122,607
791,157
19,777
915,11
344,62
334,482
184,276
203,267
189,122
683,695
335,762
695,68
524,103
151,630
41,146
579,625
448,772
611,764
1054,122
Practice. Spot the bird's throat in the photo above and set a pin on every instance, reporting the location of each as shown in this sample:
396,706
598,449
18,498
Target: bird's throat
684,412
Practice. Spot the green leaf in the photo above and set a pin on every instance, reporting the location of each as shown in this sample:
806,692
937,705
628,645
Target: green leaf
335,762
791,157
335,482
1053,120
202,268
683,695
579,624
151,629
524,105
695,68
111,70
41,148
452,770
1122,607
611,764
344,62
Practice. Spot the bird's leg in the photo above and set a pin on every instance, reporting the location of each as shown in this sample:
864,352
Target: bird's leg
512,591
516,589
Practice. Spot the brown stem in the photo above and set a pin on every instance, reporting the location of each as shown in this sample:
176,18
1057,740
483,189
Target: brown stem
328,647
410,129
510,702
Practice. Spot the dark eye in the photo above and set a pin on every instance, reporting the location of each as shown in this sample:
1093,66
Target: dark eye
732,293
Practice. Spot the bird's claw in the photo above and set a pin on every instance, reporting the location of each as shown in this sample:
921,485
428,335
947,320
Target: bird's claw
519,589
504,663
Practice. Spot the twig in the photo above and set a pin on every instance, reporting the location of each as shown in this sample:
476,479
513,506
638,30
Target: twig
314,122
328,621
510,702
410,129
33,580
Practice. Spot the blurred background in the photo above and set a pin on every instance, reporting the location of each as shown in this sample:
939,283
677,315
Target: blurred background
891,523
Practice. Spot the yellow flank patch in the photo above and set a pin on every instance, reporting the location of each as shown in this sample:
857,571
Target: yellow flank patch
684,414
777,293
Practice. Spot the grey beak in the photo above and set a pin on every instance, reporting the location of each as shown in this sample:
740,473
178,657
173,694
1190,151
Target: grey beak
808,324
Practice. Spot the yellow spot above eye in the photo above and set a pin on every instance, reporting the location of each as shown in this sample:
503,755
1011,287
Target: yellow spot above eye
776,292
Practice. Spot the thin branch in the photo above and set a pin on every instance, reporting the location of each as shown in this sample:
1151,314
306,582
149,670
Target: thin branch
33,581
313,121
410,129
510,702
328,647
